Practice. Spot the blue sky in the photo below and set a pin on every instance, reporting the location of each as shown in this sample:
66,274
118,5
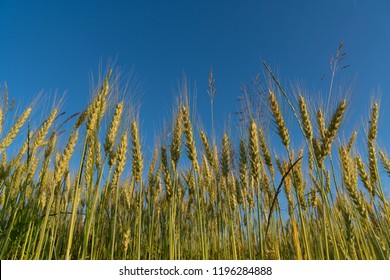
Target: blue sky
53,46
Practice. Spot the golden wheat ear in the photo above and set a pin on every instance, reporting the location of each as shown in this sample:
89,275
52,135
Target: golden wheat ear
7,140
189,135
277,113
113,130
120,159
176,139
138,163
333,127
307,127
254,157
385,162
371,143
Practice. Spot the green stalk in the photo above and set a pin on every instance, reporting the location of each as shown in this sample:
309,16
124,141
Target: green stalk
76,201
113,236
90,217
140,220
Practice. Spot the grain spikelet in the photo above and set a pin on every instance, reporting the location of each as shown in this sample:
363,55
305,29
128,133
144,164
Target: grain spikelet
207,149
89,165
62,163
282,129
152,178
351,141
232,190
333,127
225,158
318,152
385,161
266,153
321,123
166,174
138,164
7,140
1,120
350,180
254,157
113,129
364,176
243,168
97,109
22,151
283,167
307,127
190,142
372,133
120,158
299,181
41,133
176,139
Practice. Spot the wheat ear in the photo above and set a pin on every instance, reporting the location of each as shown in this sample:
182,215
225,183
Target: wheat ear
350,180
189,135
225,156
254,151
137,154
282,129
62,163
385,161
7,140
307,127
40,136
176,139
372,133
333,128
113,129
266,153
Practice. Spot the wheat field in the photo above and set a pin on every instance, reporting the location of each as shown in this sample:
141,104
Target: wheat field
194,197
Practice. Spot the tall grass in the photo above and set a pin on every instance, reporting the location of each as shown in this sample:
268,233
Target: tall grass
211,202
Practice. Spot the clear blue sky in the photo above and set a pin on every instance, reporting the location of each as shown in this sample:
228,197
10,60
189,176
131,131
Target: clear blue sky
54,45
